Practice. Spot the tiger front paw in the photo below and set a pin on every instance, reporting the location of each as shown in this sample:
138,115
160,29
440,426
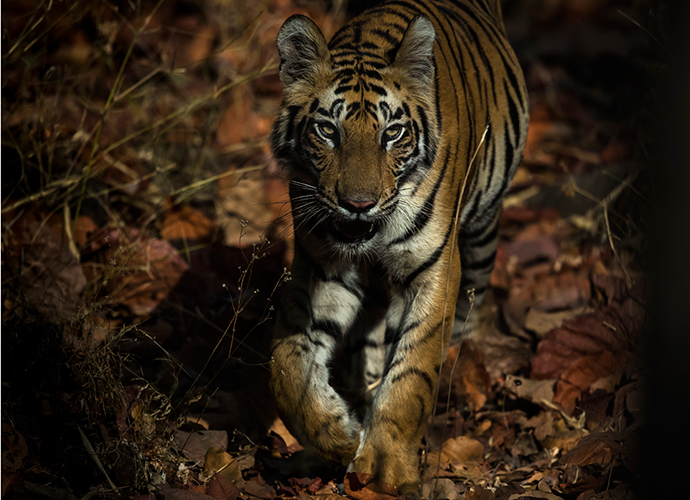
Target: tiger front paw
389,467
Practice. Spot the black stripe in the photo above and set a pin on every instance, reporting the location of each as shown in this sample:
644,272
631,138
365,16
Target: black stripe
480,264
386,36
417,372
470,214
385,9
422,411
431,333
361,343
329,327
349,54
430,261
513,113
504,185
292,114
490,236
315,268
295,310
354,291
385,419
423,216
379,90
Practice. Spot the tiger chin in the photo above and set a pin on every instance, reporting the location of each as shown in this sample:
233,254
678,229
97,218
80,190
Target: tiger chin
399,137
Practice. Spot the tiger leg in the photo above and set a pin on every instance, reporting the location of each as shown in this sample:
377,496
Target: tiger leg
477,253
393,428
365,358
310,322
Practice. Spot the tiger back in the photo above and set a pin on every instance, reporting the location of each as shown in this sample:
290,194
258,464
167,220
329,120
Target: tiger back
399,138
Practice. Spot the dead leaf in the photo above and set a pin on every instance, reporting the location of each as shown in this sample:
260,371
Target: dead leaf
51,275
170,493
471,382
528,495
219,462
84,227
258,488
543,424
222,488
564,438
440,488
585,371
461,450
586,334
541,248
187,224
14,449
542,323
503,353
536,391
243,213
290,441
592,449
195,444
479,493
240,122
361,486
145,270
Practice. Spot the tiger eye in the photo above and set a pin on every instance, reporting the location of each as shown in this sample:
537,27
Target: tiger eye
326,129
393,132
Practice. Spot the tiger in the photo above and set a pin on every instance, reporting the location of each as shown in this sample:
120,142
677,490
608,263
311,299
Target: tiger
399,138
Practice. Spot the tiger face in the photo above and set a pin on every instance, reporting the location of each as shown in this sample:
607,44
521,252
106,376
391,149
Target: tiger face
357,136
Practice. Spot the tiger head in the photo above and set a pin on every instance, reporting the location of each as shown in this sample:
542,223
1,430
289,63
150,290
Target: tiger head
357,129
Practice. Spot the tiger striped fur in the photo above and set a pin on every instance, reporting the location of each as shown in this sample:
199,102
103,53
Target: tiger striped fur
399,137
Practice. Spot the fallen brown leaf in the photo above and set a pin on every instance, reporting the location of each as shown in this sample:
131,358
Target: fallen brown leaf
219,462
535,391
479,493
257,487
541,248
145,270
361,486
170,493
222,488
541,322
470,381
585,371
291,443
440,488
195,444
187,224
592,449
14,449
586,334
461,450
50,273
528,495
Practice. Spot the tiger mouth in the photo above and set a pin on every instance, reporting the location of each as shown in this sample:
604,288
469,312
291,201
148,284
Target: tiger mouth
356,231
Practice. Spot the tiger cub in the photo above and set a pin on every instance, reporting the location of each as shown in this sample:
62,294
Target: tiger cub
399,137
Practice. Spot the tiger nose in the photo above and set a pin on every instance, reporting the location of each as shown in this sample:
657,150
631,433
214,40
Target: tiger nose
356,206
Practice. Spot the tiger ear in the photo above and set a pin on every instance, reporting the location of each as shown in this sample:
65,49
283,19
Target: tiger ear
414,55
301,47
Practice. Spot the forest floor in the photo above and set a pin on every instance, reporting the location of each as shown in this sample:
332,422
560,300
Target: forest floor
141,261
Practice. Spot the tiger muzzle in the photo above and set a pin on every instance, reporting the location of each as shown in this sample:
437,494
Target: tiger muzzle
353,231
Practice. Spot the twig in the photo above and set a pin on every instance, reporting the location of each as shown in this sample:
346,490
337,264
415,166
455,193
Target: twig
450,265
106,108
214,178
628,280
94,457
643,29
